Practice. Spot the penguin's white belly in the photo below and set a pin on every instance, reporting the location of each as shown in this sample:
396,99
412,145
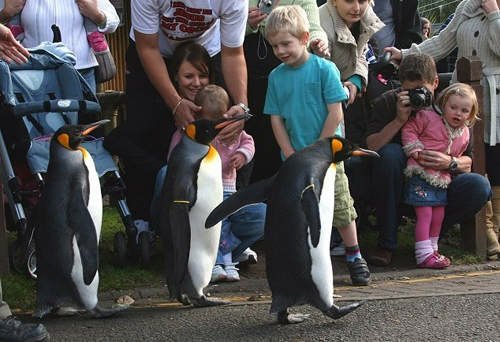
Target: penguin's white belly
321,268
95,196
205,242
88,293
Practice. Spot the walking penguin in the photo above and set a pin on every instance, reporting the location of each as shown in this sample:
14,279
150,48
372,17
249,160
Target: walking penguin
300,207
68,225
191,190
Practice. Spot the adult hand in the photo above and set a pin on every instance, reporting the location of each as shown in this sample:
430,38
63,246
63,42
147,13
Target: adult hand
229,133
434,159
489,5
10,48
255,17
320,48
237,160
396,54
89,9
353,91
185,113
13,7
403,107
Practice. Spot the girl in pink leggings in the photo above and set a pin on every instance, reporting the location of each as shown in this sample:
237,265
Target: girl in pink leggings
443,128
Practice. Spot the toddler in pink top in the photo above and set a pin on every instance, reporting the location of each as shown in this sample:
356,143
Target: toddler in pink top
427,187
242,229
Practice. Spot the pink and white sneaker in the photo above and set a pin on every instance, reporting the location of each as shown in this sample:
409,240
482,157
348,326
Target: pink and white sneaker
434,261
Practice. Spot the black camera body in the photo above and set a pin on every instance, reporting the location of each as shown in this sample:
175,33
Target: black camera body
420,97
265,6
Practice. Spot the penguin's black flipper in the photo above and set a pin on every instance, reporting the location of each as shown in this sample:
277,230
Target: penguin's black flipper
254,193
82,225
310,207
180,234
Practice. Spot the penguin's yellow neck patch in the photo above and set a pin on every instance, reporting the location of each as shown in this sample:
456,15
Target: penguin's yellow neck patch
191,131
336,146
84,152
63,139
212,153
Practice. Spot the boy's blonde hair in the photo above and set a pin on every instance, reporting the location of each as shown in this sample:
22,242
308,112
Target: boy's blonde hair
291,19
460,89
214,101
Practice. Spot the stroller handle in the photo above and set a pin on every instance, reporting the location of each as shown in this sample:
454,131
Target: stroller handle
61,105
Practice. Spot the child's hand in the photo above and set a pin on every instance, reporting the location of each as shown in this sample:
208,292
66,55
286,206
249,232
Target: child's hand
434,160
238,160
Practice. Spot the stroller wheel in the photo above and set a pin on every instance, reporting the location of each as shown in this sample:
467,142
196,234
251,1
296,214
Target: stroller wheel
120,245
144,245
31,261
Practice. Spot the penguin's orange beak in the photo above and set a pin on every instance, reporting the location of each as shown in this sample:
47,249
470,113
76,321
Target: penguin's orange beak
90,127
225,122
361,152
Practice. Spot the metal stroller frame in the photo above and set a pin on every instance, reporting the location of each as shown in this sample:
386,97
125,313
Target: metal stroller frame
40,96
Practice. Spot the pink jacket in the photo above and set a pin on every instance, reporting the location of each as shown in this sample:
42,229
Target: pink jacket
427,130
243,144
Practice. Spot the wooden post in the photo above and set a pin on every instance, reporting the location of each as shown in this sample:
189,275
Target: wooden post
469,70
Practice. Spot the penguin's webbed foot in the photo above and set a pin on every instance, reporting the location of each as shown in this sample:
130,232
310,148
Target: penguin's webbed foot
184,299
204,301
284,317
99,312
336,312
43,310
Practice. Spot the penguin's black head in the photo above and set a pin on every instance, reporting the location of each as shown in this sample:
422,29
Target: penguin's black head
71,136
204,131
343,149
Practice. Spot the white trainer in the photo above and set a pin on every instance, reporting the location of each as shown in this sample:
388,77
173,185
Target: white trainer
248,255
218,274
231,272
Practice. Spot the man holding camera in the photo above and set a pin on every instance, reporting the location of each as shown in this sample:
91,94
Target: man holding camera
467,193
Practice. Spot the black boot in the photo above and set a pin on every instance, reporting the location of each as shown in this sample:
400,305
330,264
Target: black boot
13,330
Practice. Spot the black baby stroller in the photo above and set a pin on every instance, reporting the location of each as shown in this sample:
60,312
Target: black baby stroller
36,98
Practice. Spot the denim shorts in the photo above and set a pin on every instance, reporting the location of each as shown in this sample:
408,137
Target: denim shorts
419,193
344,212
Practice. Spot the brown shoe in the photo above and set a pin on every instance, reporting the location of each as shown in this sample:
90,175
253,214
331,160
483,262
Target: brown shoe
380,257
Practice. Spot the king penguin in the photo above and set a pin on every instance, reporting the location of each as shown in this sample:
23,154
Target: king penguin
300,207
191,190
68,225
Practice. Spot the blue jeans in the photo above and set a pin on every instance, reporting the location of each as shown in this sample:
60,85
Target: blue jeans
89,76
247,224
467,193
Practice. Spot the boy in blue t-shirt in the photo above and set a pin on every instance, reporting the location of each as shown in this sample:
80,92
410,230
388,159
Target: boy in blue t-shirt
304,98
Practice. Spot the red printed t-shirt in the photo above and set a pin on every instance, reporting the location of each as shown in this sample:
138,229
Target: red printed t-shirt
208,22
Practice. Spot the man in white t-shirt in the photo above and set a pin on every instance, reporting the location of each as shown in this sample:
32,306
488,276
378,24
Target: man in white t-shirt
158,26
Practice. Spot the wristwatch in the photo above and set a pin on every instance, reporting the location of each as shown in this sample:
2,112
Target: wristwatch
453,165
245,107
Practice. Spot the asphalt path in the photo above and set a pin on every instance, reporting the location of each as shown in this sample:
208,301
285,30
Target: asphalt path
460,307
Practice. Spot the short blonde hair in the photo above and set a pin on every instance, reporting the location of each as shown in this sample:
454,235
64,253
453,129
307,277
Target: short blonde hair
291,19
460,89
214,101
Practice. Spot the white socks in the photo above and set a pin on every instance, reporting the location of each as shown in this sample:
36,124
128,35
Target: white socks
422,250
